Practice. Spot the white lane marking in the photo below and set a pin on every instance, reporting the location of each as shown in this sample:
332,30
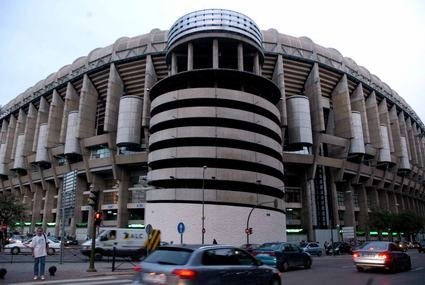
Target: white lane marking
63,281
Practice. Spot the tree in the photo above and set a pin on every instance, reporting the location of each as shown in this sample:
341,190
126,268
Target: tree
11,210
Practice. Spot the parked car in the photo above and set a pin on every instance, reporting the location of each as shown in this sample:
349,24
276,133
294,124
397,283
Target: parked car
381,254
22,246
421,246
313,248
283,255
339,247
250,247
70,241
15,238
204,264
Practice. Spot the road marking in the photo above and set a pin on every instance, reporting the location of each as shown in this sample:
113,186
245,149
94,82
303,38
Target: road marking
83,280
417,269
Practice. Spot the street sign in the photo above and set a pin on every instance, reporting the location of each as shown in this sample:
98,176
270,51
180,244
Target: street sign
149,229
347,232
180,228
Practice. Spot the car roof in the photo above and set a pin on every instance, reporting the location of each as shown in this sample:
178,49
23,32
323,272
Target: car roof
194,246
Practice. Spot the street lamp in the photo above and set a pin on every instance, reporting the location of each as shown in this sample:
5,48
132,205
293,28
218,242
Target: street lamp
203,203
247,229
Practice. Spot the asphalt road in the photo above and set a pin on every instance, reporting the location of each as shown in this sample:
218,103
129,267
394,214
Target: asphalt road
329,270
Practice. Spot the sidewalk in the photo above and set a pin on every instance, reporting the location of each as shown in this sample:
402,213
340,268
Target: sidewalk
23,272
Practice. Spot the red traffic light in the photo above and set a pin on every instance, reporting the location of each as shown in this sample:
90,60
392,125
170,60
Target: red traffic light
97,218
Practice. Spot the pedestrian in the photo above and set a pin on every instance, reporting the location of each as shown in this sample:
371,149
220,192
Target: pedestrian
214,241
39,245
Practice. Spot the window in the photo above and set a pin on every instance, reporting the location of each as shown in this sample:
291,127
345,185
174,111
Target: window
226,256
100,152
110,197
292,195
340,198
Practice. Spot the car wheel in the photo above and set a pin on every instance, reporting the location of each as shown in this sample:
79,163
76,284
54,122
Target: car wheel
408,265
283,267
307,263
360,269
319,253
15,250
275,281
51,251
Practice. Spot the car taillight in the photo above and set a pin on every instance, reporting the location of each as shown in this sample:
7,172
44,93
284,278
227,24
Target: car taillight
185,273
383,255
356,254
137,268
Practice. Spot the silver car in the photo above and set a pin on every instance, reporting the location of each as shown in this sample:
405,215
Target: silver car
381,254
204,264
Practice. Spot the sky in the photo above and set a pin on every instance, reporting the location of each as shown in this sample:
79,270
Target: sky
38,37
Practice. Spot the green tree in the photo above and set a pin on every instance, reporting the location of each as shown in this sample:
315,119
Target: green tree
11,210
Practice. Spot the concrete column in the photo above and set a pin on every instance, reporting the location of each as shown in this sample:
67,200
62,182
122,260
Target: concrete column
30,127
313,91
374,196
395,132
71,104
190,56
42,117
49,200
240,57
58,210
383,199
349,217
150,79
384,119
257,68
173,63
36,205
20,128
403,132
418,144
87,109
333,200
342,109
363,207
81,187
215,53
358,104
411,142
279,80
113,94
122,215
307,211
373,119
54,121
99,183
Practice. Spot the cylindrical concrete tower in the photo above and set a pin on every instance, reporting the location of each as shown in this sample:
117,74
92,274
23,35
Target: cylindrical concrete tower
215,150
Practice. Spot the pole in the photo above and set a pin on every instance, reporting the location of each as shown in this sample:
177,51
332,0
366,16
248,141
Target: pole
93,244
62,233
203,203
249,217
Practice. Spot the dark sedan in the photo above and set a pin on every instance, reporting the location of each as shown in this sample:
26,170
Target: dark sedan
381,254
283,255
204,264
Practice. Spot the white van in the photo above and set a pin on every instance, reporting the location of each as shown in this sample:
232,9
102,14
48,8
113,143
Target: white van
127,243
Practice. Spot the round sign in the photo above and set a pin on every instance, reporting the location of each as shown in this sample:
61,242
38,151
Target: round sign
180,228
149,229
204,230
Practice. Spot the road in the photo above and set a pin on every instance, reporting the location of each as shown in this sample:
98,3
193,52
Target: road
329,270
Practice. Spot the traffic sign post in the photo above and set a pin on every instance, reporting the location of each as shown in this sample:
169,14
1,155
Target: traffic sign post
149,230
180,230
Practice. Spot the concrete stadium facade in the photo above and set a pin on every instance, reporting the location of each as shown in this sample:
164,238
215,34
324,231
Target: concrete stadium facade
210,123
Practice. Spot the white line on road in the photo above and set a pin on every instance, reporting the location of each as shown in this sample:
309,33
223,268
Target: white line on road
65,281
417,269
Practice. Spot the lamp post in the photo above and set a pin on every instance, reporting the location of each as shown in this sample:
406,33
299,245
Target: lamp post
203,203
247,231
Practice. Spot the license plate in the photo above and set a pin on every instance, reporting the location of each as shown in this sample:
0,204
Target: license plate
155,278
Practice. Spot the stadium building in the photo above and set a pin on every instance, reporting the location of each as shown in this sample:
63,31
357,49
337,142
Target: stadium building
217,125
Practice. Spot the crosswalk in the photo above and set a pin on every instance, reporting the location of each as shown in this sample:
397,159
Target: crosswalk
102,280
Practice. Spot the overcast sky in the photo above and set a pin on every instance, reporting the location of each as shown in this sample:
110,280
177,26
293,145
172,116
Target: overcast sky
38,37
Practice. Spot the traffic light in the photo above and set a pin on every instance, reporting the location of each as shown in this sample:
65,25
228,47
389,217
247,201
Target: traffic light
250,231
93,196
97,218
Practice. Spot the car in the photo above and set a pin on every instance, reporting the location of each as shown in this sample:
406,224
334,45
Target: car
250,247
14,238
70,241
22,246
204,264
340,247
283,255
421,246
313,248
381,254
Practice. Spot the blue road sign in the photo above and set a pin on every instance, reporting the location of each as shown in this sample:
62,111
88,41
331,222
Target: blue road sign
180,228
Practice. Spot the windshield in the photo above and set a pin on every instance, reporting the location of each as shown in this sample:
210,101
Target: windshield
269,246
375,246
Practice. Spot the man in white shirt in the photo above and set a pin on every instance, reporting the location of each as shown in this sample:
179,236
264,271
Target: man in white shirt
39,245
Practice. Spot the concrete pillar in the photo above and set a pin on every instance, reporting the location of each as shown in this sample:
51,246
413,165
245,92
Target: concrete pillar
257,68
113,94
363,207
342,109
20,128
77,217
87,109
307,211
395,132
49,200
150,79
418,144
374,197
58,210
383,199
403,131
190,56
173,63
349,217
215,53
30,127
71,104
384,119
36,205
240,57
122,215
313,91
42,117
279,80
358,104
411,142
373,119
54,121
